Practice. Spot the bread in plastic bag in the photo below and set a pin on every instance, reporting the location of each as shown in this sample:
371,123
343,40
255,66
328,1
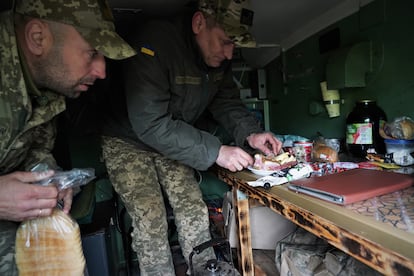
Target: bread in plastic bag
321,152
400,128
49,246
52,245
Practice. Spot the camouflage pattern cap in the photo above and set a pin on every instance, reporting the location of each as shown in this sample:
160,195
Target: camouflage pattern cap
91,18
234,16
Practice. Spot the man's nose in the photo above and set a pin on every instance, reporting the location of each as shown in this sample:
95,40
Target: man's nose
99,67
228,51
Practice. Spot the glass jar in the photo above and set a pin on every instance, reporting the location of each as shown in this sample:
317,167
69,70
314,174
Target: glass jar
362,129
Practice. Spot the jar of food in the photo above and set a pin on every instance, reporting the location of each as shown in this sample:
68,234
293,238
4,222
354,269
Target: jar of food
362,129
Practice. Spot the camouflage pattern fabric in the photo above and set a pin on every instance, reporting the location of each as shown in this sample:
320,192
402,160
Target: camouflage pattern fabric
26,133
7,248
23,142
301,253
92,19
139,178
234,16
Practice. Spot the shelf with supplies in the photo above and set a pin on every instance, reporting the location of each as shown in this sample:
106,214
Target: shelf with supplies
260,108
251,82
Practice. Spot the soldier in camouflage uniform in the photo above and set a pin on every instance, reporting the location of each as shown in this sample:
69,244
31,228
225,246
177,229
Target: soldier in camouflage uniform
49,49
181,71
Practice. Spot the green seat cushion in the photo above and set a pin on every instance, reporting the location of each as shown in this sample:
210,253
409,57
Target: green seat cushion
211,186
104,190
83,204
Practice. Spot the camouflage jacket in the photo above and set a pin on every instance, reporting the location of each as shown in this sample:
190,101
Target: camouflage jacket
27,129
168,88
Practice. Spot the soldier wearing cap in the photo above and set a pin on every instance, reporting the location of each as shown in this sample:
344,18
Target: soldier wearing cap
49,49
182,70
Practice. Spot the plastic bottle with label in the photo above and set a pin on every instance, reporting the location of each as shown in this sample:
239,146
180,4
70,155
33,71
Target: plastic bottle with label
362,129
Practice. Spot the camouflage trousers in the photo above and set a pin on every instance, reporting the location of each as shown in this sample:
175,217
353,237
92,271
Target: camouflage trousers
140,178
7,248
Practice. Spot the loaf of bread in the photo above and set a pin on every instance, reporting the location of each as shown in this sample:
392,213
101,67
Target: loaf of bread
49,246
407,128
324,153
400,128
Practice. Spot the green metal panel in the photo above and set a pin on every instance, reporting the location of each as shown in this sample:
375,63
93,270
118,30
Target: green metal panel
347,67
388,25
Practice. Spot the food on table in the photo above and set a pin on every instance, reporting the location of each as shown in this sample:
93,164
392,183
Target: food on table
273,163
324,153
400,128
407,129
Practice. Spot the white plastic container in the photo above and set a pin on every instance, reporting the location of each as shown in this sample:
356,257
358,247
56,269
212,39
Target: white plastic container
401,151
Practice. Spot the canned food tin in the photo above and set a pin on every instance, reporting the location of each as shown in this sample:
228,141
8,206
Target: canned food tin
303,151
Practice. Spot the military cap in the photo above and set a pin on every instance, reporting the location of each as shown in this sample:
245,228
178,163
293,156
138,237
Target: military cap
91,18
234,16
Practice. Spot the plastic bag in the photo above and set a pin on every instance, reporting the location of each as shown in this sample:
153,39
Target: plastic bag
51,245
400,128
324,152
66,179
302,253
289,139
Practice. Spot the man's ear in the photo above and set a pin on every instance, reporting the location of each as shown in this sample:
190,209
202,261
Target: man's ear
198,22
37,36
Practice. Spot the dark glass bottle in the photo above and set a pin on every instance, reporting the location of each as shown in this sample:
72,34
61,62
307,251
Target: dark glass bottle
362,129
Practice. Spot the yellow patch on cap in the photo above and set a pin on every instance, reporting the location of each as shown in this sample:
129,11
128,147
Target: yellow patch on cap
147,51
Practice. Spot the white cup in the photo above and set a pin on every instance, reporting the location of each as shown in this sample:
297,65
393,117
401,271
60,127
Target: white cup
331,99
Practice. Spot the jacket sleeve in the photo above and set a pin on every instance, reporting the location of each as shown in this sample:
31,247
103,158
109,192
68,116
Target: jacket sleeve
147,96
42,146
229,110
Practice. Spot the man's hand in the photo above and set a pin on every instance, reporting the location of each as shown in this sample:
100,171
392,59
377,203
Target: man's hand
265,142
21,200
233,158
66,196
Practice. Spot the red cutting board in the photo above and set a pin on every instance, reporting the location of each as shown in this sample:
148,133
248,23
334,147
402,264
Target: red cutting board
352,185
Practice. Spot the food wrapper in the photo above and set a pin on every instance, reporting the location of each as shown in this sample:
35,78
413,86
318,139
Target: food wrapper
51,245
401,128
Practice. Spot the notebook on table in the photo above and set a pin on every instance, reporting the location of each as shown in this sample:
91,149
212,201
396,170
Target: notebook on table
352,185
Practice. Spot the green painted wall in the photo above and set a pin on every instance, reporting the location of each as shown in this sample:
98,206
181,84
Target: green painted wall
389,25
